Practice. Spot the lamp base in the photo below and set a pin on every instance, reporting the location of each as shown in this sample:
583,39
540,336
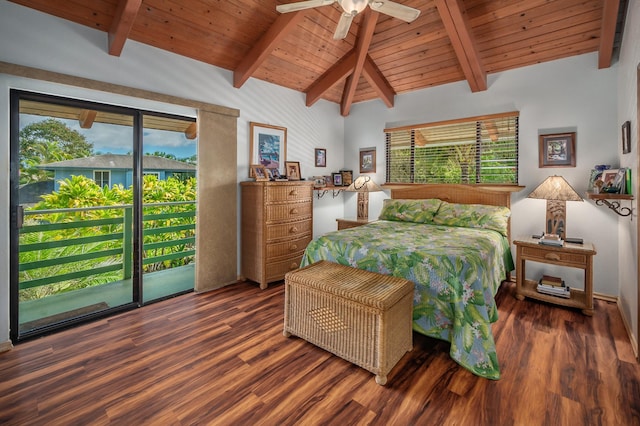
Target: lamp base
363,206
556,218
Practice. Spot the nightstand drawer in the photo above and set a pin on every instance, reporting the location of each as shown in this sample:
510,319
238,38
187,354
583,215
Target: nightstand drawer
548,255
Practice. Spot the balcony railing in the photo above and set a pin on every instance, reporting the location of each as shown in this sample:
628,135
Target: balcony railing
66,249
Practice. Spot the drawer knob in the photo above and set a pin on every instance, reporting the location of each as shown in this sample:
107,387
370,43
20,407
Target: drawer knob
552,256
293,247
293,229
294,211
293,193
293,265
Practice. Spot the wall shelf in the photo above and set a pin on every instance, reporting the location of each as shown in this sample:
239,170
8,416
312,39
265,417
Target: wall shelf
613,202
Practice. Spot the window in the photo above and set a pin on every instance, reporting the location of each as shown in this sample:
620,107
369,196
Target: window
480,150
102,178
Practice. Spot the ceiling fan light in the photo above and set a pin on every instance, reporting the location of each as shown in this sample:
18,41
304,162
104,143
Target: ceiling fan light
353,6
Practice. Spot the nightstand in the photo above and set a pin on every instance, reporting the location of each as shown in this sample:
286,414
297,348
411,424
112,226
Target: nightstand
570,255
346,223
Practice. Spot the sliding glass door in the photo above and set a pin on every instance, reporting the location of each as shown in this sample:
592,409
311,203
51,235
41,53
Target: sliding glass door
92,216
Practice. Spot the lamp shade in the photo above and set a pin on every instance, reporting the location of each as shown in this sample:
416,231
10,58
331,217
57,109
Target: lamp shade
363,184
555,188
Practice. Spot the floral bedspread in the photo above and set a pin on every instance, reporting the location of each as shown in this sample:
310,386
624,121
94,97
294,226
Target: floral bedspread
456,271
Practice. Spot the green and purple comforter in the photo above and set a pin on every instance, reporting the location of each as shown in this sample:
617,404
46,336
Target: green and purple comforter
457,262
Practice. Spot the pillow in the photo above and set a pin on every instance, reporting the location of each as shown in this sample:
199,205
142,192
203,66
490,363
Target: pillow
473,216
419,211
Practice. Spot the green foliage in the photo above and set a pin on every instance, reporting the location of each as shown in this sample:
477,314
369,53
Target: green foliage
48,141
167,198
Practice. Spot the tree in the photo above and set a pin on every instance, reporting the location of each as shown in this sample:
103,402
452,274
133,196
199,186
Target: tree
48,141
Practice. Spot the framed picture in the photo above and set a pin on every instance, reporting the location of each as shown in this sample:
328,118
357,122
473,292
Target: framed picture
347,177
260,172
337,179
610,181
328,180
268,146
275,174
293,170
557,150
368,160
319,182
321,157
626,137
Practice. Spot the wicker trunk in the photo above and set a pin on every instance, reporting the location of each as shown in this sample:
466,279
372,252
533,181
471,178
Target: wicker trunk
360,316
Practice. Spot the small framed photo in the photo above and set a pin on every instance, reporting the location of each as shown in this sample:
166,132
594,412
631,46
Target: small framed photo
321,157
260,172
626,137
337,179
328,180
275,174
347,177
368,160
609,181
557,150
293,170
268,146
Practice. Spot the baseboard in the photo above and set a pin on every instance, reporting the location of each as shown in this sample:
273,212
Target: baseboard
6,346
627,326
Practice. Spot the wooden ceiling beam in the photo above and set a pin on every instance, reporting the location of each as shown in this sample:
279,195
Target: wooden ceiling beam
457,25
121,25
377,81
86,118
335,74
365,35
285,23
608,32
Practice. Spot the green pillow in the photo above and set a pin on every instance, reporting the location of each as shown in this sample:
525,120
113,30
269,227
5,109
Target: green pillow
419,211
473,216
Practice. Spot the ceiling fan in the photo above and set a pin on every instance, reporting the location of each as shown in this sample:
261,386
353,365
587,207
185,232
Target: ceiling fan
351,8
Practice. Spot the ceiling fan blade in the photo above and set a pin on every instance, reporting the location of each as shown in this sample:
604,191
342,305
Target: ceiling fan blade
302,5
399,11
343,26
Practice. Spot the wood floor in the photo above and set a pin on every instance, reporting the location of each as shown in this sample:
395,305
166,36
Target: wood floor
220,359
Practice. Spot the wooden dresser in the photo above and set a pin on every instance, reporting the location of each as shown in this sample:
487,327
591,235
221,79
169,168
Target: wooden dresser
277,225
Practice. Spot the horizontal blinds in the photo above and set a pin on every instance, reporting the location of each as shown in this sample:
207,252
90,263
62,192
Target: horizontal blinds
474,150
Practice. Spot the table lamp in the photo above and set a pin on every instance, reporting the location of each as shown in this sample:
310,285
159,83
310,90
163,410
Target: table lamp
363,185
557,191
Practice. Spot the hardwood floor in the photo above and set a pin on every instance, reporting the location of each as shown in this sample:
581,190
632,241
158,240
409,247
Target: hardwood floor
220,358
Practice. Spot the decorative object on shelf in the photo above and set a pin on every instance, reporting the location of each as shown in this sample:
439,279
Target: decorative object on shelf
319,182
557,191
328,180
363,185
626,137
557,150
268,146
260,172
293,170
321,157
337,179
368,160
347,177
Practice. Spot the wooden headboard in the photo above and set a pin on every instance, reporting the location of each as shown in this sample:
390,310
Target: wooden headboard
458,193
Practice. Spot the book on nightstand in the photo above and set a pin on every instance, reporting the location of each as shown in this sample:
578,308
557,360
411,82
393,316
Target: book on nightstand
553,286
551,280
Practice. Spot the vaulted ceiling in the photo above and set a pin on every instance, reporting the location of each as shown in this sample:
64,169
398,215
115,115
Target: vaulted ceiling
451,40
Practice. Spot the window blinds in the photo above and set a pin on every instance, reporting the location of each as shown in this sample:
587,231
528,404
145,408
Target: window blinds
471,150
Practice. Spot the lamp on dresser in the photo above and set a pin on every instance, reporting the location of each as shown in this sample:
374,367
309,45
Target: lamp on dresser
557,191
363,185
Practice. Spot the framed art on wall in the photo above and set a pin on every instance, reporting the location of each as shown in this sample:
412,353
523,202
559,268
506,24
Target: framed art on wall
557,150
368,160
268,146
321,157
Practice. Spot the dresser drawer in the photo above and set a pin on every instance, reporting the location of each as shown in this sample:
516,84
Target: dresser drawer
289,230
548,256
287,248
288,193
286,212
277,270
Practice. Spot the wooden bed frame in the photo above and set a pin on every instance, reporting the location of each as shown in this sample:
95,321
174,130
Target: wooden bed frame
458,193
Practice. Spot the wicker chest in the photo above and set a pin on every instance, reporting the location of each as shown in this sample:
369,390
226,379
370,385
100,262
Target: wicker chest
360,316
277,223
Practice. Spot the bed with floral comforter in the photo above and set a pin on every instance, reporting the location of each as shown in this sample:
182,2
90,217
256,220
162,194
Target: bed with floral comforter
456,254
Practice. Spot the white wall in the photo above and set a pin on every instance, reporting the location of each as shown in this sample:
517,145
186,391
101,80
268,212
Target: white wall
628,110
568,94
41,41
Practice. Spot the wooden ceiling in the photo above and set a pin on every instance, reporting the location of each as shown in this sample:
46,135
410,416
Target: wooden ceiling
452,40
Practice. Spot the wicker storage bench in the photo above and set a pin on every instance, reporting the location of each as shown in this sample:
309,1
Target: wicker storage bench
360,316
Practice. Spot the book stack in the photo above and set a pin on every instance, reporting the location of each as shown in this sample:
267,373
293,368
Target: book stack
553,286
551,240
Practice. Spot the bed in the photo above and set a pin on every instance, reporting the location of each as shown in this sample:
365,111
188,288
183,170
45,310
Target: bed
452,241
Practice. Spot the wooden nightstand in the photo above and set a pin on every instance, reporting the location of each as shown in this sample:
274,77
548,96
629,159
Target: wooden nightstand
570,255
346,223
